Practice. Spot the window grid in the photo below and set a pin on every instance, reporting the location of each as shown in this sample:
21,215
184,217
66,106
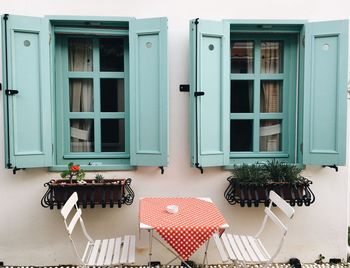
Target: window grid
96,75
288,97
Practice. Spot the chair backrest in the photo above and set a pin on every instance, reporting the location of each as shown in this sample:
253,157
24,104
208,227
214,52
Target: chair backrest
246,248
67,209
283,206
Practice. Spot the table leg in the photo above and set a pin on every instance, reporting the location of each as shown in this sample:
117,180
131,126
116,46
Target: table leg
150,237
206,252
173,252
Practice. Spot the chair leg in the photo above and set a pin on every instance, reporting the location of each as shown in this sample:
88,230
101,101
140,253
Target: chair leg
266,264
244,264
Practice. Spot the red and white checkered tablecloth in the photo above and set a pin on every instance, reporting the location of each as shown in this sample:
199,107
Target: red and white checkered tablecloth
185,231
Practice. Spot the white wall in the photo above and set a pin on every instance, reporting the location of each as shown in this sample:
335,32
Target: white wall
30,234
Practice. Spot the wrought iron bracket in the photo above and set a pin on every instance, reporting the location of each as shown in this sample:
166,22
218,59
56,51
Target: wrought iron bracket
184,88
252,195
332,166
89,194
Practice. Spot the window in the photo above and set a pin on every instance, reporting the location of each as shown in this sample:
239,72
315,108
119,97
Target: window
262,101
90,90
94,98
268,90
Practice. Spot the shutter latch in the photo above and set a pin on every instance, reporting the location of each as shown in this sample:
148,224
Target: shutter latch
11,92
198,93
185,88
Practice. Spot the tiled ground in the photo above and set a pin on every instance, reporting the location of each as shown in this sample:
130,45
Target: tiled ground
276,265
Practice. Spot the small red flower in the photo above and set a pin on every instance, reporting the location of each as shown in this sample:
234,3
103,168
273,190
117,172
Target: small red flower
75,168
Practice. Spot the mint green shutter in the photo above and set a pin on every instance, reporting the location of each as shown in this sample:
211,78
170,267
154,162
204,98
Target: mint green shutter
325,92
28,139
148,92
210,74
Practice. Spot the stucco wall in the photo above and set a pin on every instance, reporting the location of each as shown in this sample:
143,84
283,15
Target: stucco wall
30,234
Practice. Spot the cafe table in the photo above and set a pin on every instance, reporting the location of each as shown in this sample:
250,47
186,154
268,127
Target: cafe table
183,231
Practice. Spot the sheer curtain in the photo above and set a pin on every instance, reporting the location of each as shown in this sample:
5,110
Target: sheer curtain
81,95
270,96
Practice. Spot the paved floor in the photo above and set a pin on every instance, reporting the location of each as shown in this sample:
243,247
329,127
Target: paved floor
275,265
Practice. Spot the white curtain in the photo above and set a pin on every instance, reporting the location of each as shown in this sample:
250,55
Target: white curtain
81,95
270,97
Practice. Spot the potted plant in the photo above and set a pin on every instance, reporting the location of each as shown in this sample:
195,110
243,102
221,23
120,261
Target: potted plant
72,172
250,184
91,192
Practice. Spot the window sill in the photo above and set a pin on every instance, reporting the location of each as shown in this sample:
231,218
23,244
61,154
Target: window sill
95,167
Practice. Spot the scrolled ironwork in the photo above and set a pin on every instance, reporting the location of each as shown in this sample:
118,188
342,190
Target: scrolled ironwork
251,195
109,192
129,197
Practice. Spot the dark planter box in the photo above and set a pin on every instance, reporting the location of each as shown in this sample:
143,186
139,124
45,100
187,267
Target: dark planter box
109,192
253,195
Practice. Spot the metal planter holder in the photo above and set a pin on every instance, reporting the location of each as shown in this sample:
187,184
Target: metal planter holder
91,193
253,195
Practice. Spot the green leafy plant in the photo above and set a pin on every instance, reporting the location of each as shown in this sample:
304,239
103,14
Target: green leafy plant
277,171
248,174
265,173
99,178
73,172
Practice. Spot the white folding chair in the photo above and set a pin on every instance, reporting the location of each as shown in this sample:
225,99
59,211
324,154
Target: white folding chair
106,252
247,249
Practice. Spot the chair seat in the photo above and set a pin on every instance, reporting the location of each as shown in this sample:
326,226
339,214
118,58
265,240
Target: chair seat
242,248
114,251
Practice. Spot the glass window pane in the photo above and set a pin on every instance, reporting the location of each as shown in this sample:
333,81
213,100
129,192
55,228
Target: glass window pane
270,135
241,135
81,95
242,56
113,135
271,97
81,135
112,54
112,95
241,96
271,57
80,54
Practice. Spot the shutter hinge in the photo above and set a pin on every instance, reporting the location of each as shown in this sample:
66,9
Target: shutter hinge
301,147
303,41
198,93
199,167
15,169
332,166
52,148
49,38
11,92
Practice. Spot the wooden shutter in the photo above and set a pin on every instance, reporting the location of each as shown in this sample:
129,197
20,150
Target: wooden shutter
28,126
148,92
325,92
209,75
